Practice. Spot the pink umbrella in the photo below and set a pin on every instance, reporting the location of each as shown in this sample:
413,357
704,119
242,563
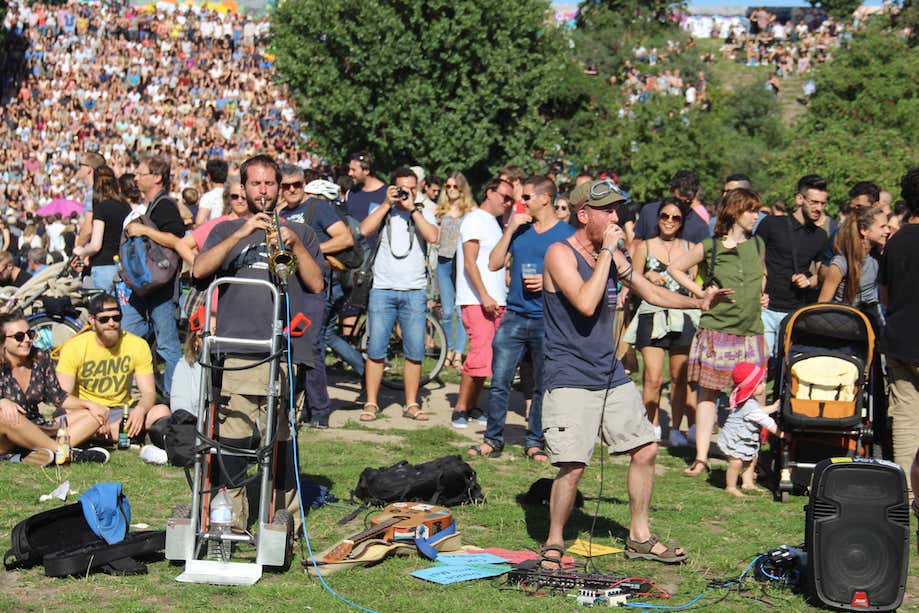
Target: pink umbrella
61,206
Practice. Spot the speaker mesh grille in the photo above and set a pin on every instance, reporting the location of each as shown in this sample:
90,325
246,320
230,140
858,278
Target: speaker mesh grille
858,534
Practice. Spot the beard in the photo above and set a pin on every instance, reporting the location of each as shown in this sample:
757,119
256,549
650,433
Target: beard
109,336
255,205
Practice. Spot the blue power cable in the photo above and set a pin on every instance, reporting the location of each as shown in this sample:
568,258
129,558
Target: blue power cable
663,607
295,450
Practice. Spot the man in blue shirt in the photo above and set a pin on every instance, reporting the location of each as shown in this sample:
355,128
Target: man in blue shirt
523,247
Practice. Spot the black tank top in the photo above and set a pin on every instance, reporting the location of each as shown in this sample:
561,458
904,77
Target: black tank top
580,351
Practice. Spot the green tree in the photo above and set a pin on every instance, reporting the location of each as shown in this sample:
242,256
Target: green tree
862,122
451,84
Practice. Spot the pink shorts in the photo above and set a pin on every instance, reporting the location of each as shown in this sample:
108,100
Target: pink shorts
481,329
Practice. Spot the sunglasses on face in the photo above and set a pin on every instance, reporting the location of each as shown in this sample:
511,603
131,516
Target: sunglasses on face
104,319
236,196
21,336
526,197
561,208
294,185
451,186
668,217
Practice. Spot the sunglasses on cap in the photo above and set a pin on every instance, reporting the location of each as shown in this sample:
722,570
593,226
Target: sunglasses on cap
599,190
104,319
21,336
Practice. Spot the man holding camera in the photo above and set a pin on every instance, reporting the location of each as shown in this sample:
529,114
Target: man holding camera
399,288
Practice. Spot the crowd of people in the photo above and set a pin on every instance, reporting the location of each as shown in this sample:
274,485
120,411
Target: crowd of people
526,278
190,82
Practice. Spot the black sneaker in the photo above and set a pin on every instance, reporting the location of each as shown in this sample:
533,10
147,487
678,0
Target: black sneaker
320,422
96,455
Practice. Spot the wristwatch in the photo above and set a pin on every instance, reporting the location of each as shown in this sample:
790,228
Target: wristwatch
418,208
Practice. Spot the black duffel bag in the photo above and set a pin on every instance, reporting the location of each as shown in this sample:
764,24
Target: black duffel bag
446,481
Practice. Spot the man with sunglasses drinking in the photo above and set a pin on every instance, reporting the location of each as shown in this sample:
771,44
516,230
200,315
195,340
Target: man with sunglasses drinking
99,365
523,246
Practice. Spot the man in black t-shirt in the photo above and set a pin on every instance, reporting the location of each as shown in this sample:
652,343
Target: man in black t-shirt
900,339
311,205
10,274
686,189
239,248
793,243
157,309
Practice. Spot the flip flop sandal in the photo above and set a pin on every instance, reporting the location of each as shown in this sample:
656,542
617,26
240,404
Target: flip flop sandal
417,414
641,550
369,415
546,559
476,450
533,453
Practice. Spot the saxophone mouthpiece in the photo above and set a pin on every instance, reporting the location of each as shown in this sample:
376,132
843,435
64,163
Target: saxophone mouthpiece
263,201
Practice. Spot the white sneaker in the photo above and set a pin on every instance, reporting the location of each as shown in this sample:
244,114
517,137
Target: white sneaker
678,439
691,434
657,433
151,454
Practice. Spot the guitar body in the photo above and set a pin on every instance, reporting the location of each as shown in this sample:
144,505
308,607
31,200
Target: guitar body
400,522
418,520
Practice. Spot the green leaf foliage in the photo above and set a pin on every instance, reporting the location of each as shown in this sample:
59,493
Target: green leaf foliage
840,9
451,84
862,123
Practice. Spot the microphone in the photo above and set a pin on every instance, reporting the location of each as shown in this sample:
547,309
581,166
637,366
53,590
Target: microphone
621,247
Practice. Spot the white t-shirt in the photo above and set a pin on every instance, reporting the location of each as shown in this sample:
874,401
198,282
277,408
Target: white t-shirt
213,202
400,259
483,227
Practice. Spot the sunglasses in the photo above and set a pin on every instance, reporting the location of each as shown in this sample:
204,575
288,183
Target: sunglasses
104,319
561,208
451,186
599,190
236,197
668,217
21,336
294,185
525,197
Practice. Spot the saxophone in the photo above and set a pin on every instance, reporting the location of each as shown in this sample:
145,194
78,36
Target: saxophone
281,261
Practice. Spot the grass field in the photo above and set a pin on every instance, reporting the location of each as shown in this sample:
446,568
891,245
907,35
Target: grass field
720,533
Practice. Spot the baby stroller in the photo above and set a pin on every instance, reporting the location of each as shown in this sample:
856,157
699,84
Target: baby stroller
825,388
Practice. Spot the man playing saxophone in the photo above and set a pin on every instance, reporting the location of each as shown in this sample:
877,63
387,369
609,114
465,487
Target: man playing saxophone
258,246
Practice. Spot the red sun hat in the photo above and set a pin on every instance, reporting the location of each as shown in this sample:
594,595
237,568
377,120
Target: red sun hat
746,377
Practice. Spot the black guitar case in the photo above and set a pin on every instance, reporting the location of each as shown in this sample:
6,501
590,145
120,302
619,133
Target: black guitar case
62,536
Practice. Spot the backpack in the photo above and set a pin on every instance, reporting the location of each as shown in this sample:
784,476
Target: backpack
446,481
146,266
62,540
179,438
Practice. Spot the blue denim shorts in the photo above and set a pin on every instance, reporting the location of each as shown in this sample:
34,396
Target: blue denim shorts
387,306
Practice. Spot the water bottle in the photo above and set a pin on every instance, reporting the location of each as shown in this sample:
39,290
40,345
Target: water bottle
62,455
221,523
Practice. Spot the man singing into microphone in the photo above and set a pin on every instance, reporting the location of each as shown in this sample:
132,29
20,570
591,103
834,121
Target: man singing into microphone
239,248
586,386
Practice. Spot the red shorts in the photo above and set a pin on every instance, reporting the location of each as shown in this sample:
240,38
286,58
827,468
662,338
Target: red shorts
481,328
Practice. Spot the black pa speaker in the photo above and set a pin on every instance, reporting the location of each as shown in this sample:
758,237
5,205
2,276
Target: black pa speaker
857,535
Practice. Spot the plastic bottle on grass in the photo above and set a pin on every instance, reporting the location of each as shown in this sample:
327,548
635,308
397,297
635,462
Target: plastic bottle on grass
62,455
221,523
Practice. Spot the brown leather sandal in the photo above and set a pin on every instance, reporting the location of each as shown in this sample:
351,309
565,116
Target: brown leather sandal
642,550
417,414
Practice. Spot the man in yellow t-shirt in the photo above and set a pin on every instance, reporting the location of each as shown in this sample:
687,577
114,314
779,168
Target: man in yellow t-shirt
100,364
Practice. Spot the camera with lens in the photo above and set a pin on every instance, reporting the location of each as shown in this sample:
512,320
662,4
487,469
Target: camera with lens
401,194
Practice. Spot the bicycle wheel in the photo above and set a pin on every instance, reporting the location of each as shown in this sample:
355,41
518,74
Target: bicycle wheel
52,331
435,353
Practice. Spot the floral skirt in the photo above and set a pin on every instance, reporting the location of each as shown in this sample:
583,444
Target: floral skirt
713,355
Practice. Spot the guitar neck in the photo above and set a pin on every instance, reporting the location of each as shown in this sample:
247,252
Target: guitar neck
343,549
